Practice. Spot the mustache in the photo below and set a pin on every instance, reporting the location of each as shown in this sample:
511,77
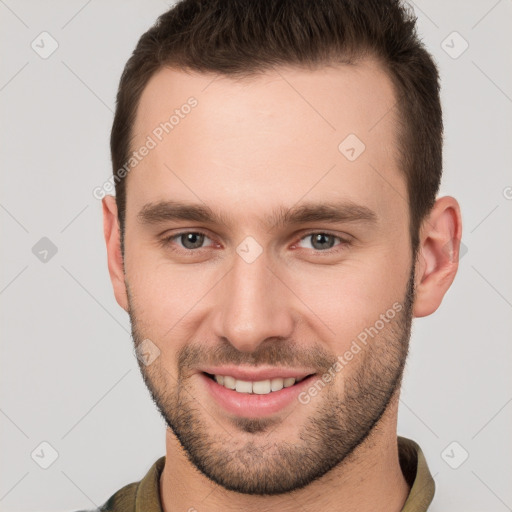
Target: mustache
271,352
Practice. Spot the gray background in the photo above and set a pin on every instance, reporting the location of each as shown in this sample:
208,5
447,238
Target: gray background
68,373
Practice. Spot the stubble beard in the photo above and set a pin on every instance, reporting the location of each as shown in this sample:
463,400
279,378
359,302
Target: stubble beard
252,461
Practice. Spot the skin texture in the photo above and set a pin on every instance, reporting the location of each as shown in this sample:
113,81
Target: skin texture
248,147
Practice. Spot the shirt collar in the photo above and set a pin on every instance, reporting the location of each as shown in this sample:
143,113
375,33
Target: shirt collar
416,472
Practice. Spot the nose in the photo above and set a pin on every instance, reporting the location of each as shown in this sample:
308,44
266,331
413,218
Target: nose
253,305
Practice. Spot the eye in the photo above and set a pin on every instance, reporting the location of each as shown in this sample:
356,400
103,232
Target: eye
191,241
321,241
187,240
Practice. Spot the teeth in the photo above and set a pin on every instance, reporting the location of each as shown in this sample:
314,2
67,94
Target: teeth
229,382
242,386
276,384
261,387
288,382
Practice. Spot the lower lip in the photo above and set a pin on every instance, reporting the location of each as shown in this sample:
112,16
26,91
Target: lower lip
253,405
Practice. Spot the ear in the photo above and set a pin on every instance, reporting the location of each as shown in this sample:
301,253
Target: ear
438,255
112,234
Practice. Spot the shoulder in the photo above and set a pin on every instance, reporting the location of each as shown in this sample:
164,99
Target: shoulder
123,499
136,496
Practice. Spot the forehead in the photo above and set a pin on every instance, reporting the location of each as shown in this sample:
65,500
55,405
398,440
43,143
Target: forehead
232,141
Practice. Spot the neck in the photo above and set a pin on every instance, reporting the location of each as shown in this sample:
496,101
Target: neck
369,479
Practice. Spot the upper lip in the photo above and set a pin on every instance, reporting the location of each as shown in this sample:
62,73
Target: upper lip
255,375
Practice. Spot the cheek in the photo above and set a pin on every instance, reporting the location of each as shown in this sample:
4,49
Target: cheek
166,295
343,301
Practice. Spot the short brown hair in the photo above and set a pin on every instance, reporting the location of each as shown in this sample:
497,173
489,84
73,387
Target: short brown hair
244,37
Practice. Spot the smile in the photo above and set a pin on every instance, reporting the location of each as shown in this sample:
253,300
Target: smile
261,387
254,399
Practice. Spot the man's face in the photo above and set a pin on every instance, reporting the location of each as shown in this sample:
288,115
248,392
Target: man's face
264,291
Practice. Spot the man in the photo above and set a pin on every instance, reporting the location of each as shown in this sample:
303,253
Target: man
275,229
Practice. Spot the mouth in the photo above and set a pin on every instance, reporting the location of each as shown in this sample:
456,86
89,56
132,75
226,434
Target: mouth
254,399
260,387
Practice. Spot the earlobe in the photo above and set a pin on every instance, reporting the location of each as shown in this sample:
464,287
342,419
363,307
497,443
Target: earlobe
438,255
112,235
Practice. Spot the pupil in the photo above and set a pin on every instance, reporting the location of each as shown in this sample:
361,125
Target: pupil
192,240
321,239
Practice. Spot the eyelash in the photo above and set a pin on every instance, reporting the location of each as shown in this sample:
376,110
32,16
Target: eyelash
167,242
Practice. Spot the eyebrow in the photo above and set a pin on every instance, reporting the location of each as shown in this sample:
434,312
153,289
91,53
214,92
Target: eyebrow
330,212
